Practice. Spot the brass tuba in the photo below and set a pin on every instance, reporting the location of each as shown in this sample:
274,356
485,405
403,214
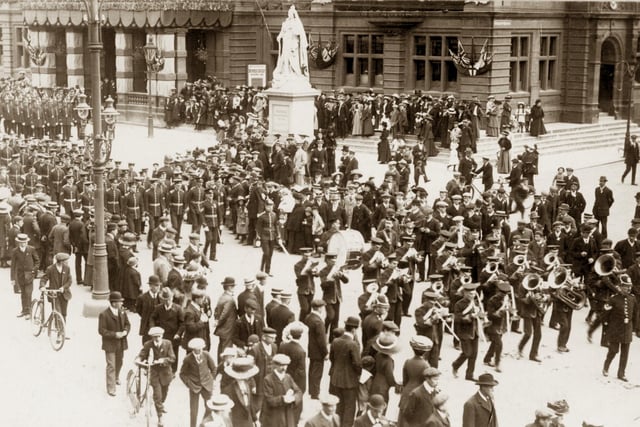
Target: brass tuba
532,282
519,260
551,259
573,297
605,265
558,278
491,267
465,279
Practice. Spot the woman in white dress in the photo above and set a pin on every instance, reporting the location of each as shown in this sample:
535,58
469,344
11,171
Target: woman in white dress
357,119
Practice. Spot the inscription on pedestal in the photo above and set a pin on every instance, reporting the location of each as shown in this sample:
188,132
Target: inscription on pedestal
280,118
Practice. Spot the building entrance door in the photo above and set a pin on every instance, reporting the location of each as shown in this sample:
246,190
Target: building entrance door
197,54
607,77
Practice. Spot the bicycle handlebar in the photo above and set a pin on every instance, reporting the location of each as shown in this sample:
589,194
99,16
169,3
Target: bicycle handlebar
51,292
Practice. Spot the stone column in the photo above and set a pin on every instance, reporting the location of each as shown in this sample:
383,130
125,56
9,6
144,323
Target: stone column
165,80
75,57
44,75
181,58
124,62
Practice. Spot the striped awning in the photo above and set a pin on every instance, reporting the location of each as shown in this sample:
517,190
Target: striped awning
133,18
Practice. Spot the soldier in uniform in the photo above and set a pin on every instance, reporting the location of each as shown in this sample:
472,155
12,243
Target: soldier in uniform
620,315
194,200
305,272
211,224
175,202
132,204
268,233
56,176
69,195
30,180
113,198
154,206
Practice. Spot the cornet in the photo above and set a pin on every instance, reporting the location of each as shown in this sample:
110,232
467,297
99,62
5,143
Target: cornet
552,260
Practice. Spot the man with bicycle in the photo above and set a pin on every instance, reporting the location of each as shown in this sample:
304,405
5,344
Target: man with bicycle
158,354
58,276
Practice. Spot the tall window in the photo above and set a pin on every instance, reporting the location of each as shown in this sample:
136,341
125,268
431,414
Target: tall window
433,68
22,55
519,64
138,40
637,76
548,62
363,60
60,51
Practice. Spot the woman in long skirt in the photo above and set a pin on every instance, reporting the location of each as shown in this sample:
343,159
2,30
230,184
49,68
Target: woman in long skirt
536,127
367,124
493,124
504,155
384,151
357,120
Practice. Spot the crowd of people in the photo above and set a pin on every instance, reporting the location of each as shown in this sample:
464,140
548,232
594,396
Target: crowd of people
290,193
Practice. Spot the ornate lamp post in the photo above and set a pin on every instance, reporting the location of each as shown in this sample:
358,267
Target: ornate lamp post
83,110
100,151
629,70
155,64
110,115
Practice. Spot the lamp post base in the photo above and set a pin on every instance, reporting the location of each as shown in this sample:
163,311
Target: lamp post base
150,127
93,307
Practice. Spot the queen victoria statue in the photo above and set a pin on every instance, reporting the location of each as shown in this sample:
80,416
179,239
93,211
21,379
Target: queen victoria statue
292,69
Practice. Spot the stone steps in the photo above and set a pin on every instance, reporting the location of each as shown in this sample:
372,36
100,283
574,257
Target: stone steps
561,138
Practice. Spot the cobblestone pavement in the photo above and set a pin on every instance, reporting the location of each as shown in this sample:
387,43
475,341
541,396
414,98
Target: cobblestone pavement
67,388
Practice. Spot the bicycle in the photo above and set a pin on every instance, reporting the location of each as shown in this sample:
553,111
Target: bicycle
55,322
139,390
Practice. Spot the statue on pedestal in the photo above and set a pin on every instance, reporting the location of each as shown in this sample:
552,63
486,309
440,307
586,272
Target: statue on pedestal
292,69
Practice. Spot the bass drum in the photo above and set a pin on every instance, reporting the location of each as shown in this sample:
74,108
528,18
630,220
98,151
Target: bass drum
349,245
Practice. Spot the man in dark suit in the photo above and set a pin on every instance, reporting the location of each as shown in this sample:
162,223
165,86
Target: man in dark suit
345,370
479,410
145,305
304,271
283,397
262,353
225,315
331,279
197,373
602,204
628,248
113,327
419,404
159,353
374,413
24,267
487,173
292,348
170,318
515,176
58,276
583,252
247,324
631,158
317,347
281,315
79,240
196,321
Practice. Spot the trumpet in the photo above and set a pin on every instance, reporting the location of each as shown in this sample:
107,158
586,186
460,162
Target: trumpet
491,267
521,262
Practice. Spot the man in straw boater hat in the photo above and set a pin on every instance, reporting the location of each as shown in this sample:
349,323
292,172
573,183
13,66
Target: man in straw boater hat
480,410
197,373
282,396
159,353
114,326
24,267
218,416
327,416
242,391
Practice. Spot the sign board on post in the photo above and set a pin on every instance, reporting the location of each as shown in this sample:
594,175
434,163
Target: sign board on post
257,75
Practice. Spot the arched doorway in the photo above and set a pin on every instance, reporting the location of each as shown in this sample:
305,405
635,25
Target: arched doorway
606,92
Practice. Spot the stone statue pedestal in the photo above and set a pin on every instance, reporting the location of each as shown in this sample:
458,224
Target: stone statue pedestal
291,110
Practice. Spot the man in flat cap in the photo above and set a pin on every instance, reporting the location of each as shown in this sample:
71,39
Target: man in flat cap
58,276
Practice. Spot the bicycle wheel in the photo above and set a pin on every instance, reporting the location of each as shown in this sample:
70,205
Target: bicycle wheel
56,331
37,317
133,382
